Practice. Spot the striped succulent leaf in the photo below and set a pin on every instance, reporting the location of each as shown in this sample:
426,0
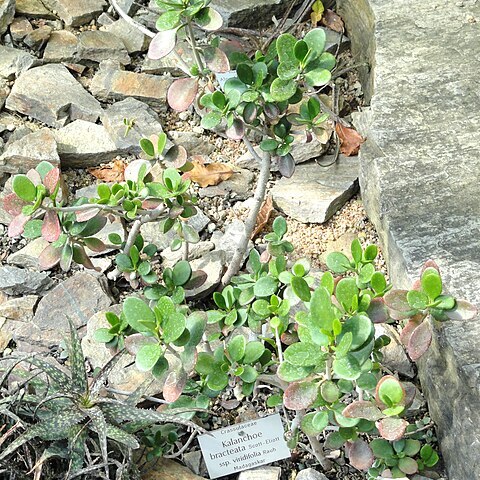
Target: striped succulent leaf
60,380
100,426
77,437
122,437
77,361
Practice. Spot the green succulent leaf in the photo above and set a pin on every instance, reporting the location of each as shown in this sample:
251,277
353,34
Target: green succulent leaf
24,188
147,356
304,355
136,311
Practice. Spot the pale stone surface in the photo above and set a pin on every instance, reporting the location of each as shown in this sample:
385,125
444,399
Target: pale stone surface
111,83
7,12
230,239
20,281
314,193
76,152
195,250
33,9
420,182
75,13
97,45
51,95
238,186
62,47
20,28
262,473
212,264
310,474
27,257
38,38
250,13
13,62
134,40
166,469
191,142
147,123
4,91
29,151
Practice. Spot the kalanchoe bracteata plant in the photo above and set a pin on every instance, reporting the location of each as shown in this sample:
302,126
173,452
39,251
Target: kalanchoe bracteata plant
74,418
325,359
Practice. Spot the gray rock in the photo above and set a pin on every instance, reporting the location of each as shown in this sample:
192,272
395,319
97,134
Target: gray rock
394,356
250,13
97,46
75,13
4,91
76,151
27,257
7,12
128,6
111,83
420,186
20,28
105,19
29,151
51,95
151,231
314,193
33,9
262,473
238,186
212,264
13,62
134,40
310,474
38,38
301,153
79,298
194,461
335,41
229,240
62,47
191,142
195,250
19,281
146,120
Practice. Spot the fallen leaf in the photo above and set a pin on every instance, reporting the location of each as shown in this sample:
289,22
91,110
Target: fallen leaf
112,172
210,174
263,216
333,21
350,140
317,12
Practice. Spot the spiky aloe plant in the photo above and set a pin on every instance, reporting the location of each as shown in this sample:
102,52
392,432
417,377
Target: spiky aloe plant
70,411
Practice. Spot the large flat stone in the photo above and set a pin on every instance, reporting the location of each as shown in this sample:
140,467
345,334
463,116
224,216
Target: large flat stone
7,12
13,62
314,193
33,9
20,281
97,46
420,184
51,95
134,40
62,47
250,13
74,12
29,151
111,83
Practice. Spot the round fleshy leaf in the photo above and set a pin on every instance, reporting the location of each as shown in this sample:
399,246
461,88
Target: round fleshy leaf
17,225
300,288
49,257
391,428
174,385
236,348
24,188
360,455
389,392
51,226
347,367
286,47
209,19
282,90
216,60
419,341
316,39
300,395
286,165
360,326
314,423
147,356
304,354
377,311
291,373
136,310
173,327
13,204
409,328
237,130
462,311
338,262
318,77
51,180
182,93
363,409
168,20
162,44
408,465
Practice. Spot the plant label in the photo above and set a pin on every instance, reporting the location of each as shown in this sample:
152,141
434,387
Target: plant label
244,446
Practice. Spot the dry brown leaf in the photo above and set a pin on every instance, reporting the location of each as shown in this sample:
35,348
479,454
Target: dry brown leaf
210,174
350,140
263,216
333,21
112,172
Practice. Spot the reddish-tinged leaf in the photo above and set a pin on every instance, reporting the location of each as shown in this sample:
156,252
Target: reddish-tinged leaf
112,172
34,177
236,131
265,257
430,264
392,428
300,395
51,180
419,342
174,385
289,338
210,174
462,311
409,328
360,454
85,215
176,156
350,140
198,278
51,226
17,225
384,379
49,257
81,257
13,204
162,44
396,301
263,216
151,204
216,60
377,311
410,394
95,244
363,409
182,93
408,465
333,21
